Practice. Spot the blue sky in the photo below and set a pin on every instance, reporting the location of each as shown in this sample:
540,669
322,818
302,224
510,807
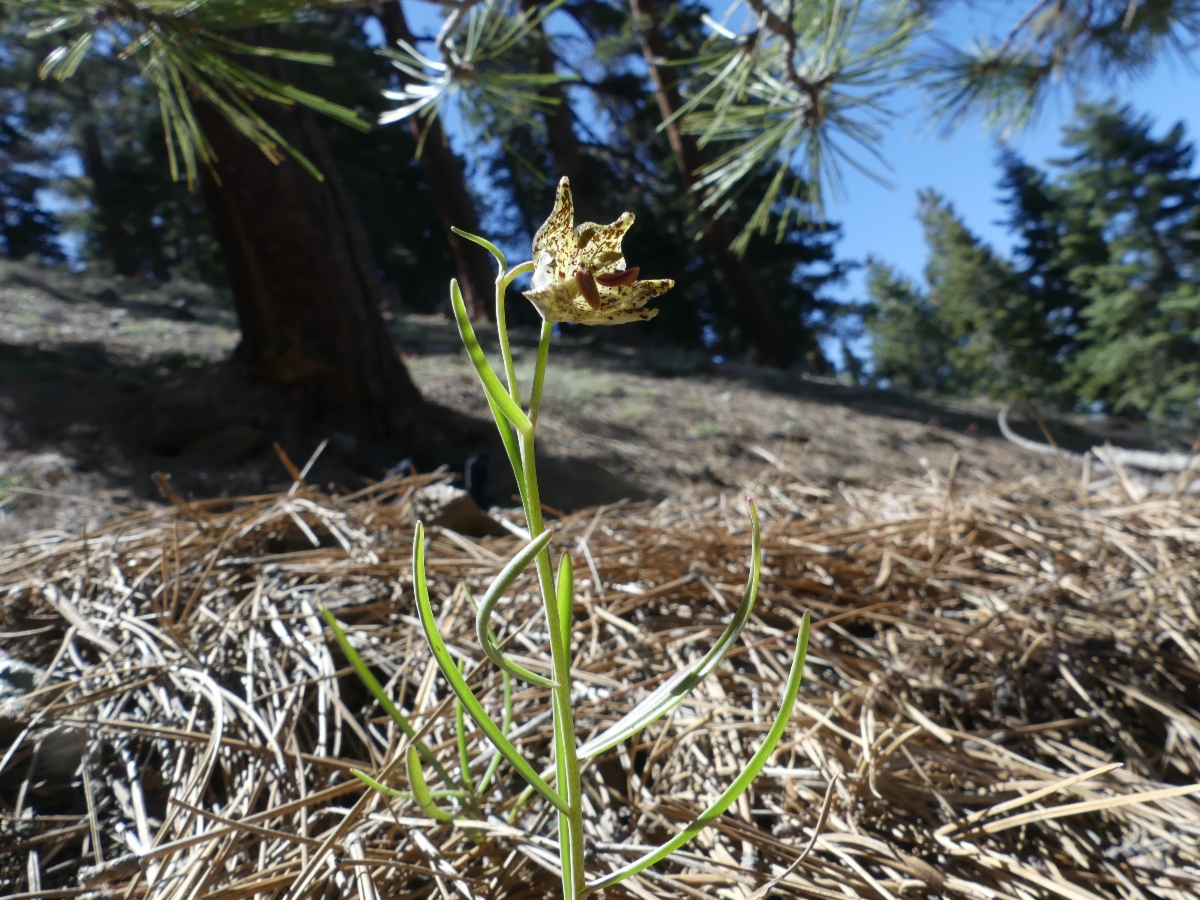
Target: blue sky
880,221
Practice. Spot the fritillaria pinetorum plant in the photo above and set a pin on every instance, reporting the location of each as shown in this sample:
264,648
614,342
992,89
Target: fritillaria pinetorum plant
578,275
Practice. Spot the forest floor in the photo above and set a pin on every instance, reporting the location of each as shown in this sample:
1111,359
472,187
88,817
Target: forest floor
104,382
998,703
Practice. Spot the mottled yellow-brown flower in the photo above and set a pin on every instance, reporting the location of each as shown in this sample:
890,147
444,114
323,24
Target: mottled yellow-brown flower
579,273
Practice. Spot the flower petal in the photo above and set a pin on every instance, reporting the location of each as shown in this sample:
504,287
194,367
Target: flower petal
604,241
579,273
555,244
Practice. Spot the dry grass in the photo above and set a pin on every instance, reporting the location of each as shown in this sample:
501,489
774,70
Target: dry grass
999,703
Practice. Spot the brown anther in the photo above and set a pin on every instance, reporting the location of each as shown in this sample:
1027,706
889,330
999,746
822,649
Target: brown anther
615,279
587,287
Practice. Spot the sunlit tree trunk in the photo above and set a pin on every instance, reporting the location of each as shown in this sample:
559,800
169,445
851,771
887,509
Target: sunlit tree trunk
305,287
444,173
764,336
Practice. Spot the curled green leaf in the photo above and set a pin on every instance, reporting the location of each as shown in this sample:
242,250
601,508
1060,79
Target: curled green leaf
485,244
402,795
497,395
675,689
483,615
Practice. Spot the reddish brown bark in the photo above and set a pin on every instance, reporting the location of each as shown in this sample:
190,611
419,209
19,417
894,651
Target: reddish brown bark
444,172
305,287
764,335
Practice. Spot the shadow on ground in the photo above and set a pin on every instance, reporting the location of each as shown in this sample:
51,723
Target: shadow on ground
213,430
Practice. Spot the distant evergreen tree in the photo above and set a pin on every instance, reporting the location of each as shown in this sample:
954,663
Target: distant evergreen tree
1053,304
26,164
976,296
1131,212
1101,302
910,342
977,331
26,228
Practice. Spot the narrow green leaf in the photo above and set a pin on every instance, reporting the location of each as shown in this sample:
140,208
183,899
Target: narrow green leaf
372,684
420,789
735,790
485,244
675,689
460,726
503,582
530,78
75,54
46,28
565,589
325,107
505,725
459,685
491,383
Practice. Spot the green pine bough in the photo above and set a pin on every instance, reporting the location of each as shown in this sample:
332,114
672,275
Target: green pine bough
579,276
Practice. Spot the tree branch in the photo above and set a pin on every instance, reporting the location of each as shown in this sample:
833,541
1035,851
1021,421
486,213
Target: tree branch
784,30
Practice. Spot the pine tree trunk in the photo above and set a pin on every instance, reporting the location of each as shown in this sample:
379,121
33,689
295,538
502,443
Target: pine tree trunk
305,287
444,172
764,335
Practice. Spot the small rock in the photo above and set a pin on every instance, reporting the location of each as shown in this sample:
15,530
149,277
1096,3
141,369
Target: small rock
453,508
17,678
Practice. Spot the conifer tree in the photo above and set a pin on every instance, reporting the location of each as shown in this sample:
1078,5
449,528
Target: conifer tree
1099,307
1132,240
773,99
910,342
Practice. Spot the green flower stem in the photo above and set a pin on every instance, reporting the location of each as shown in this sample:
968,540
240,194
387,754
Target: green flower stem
503,280
570,819
570,834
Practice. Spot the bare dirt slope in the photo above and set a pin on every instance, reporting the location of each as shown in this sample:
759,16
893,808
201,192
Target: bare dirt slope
105,382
